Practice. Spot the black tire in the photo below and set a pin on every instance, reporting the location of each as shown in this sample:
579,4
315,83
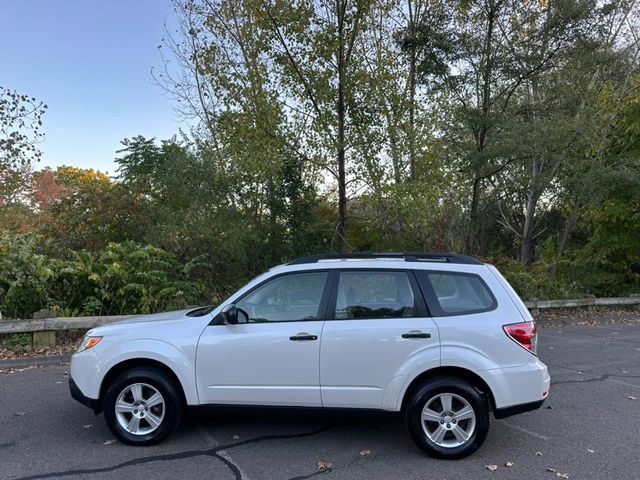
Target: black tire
170,413
457,387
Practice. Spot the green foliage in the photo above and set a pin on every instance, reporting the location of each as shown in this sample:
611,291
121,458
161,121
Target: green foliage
25,271
133,279
123,278
21,301
16,341
509,130
610,261
536,281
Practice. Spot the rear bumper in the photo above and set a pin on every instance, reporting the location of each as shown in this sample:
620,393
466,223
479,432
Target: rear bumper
516,409
511,387
92,403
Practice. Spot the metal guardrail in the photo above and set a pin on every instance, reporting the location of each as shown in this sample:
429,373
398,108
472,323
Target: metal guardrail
72,323
582,302
58,323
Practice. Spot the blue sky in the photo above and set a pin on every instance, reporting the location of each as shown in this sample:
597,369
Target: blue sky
90,62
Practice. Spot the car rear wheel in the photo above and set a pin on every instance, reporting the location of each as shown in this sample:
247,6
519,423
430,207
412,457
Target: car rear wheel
448,418
142,406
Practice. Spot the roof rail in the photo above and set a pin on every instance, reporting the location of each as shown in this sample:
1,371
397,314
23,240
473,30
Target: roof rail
407,256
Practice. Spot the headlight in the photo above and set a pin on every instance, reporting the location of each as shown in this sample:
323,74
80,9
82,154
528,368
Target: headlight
88,342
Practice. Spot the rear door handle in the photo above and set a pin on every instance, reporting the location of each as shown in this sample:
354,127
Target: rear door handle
303,336
416,334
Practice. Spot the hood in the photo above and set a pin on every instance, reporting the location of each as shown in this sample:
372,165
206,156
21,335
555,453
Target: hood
135,320
155,317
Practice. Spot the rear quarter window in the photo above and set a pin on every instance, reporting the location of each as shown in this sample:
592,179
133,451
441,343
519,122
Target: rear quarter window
455,293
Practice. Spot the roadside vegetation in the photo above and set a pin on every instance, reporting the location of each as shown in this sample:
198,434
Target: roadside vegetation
505,129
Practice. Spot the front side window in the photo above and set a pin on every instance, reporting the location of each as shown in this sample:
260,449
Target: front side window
289,298
459,293
370,294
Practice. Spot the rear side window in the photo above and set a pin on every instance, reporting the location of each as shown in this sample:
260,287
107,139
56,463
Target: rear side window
374,294
456,293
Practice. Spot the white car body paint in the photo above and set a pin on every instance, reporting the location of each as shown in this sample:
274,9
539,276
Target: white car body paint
355,363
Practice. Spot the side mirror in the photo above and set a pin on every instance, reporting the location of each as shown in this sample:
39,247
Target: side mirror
231,315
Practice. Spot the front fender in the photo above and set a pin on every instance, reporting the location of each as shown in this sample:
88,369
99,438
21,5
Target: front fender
152,349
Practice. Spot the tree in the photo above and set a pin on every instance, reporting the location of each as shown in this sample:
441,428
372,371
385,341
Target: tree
488,56
289,66
91,212
15,189
20,128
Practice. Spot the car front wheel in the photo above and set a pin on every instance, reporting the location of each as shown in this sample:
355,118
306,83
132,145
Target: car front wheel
448,418
142,406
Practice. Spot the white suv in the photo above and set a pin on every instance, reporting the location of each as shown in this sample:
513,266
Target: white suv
442,338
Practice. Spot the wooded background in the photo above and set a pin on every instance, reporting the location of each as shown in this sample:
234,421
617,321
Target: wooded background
505,129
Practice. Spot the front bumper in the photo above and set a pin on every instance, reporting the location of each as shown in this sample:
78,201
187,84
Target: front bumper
92,403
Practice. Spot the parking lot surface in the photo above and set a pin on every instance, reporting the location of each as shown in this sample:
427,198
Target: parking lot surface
588,429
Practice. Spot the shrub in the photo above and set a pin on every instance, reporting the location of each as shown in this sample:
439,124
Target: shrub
535,281
123,278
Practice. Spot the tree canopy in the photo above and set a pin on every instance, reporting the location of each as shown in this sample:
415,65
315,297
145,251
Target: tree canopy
506,129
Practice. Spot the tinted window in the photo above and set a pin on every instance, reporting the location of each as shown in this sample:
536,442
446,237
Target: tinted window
288,298
374,295
459,293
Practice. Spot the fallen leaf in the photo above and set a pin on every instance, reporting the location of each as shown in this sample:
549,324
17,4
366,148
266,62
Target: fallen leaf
365,452
590,451
20,414
109,442
323,465
508,464
493,468
87,426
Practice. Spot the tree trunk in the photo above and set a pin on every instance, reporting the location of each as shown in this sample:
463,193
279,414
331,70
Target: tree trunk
412,104
566,235
412,92
342,183
475,243
395,151
471,245
527,250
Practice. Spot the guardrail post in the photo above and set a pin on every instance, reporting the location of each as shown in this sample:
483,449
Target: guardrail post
592,303
533,309
46,338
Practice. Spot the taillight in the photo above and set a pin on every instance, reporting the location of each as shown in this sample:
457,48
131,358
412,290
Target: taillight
524,334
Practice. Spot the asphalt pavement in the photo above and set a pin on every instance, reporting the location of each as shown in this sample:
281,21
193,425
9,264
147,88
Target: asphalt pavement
588,429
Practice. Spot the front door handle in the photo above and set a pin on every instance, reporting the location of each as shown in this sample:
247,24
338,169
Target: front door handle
303,336
416,334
